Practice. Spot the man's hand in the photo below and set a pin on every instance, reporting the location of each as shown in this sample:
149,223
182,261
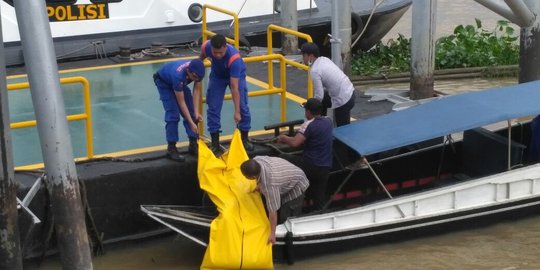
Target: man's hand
194,127
272,239
198,117
273,218
295,141
237,117
235,93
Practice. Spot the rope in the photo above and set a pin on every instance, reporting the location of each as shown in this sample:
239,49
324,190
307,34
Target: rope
114,159
94,236
99,50
160,51
48,227
263,141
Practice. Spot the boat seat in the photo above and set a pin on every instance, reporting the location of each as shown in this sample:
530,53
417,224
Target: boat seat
460,177
486,152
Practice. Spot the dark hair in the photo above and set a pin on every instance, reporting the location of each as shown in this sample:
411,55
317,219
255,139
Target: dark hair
314,106
218,41
310,48
196,66
251,168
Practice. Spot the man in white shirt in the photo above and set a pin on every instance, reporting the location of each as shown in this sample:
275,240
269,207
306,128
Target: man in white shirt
330,85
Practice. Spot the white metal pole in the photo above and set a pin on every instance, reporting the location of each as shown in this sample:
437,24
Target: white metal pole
345,34
523,13
515,11
335,39
61,175
499,8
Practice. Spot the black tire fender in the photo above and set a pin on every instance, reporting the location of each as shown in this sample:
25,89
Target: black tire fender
356,26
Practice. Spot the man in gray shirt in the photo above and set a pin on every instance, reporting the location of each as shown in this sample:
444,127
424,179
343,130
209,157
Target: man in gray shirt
281,183
330,85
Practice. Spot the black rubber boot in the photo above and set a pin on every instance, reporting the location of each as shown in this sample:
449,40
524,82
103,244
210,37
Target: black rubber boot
172,153
216,147
193,148
245,141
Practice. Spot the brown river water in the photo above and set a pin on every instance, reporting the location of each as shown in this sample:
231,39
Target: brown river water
506,246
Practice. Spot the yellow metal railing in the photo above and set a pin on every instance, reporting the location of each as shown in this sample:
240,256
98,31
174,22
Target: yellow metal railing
273,27
73,117
207,33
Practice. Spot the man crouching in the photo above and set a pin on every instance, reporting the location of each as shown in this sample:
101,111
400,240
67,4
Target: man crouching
281,183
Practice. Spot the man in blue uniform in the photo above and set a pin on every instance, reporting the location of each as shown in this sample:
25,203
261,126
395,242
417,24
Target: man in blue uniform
172,82
228,69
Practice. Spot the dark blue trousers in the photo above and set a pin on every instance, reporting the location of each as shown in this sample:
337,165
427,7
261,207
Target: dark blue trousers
214,100
172,111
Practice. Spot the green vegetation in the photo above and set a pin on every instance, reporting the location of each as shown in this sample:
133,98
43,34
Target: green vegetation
469,46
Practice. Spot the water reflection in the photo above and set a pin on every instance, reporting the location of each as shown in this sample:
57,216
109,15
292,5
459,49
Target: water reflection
509,245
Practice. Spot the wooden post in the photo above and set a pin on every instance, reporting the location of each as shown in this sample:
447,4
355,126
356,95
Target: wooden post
529,48
10,251
289,19
423,48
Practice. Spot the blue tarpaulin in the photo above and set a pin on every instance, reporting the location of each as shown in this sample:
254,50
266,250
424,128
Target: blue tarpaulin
441,117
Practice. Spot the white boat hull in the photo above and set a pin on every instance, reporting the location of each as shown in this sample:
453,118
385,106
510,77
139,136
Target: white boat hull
499,193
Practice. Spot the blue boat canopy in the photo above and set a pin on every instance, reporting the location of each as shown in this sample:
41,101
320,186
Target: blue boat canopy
441,117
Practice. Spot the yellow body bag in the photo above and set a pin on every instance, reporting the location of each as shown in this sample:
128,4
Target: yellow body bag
239,234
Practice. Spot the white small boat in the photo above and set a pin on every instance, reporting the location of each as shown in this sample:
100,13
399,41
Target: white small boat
412,187
89,28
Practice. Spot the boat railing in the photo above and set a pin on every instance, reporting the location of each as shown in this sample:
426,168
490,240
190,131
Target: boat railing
273,27
207,33
86,115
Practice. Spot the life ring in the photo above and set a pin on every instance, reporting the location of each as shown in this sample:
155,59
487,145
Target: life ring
356,26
